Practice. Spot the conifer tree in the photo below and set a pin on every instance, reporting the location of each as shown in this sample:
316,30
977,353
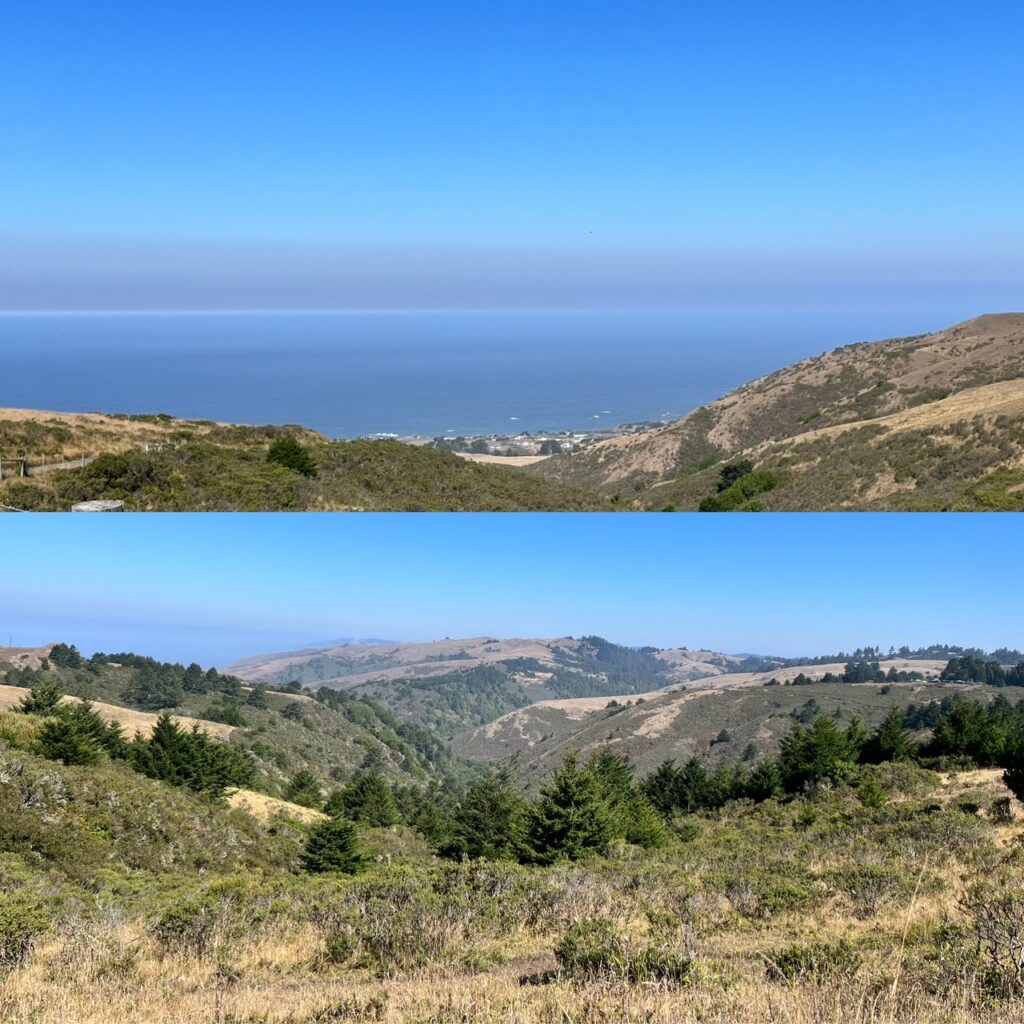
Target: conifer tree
890,741
64,739
634,818
764,782
42,699
194,679
333,845
490,823
304,789
571,821
820,752
368,800
154,688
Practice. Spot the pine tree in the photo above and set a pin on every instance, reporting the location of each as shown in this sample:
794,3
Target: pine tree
890,741
490,823
154,688
368,799
820,752
304,789
764,781
42,699
64,739
634,817
661,788
333,845
571,821
194,679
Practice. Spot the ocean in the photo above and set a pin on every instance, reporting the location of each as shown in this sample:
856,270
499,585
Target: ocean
413,373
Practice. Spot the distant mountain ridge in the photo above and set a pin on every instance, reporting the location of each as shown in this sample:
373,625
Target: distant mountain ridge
931,422
347,666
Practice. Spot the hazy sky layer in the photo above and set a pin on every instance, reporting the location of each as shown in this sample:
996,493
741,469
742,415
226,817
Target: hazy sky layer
404,154
213,588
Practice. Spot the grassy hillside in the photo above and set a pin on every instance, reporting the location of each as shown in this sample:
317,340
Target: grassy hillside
930,422
123,900
157,463
283,733
835,882
718,725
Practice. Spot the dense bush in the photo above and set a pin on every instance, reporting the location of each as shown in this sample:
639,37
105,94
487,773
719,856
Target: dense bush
594,950
22,920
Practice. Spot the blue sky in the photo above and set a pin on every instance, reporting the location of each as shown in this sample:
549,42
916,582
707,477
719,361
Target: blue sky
216,587
543,154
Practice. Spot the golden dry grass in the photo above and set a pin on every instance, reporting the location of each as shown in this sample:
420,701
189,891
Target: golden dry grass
277,977
133,721
266,808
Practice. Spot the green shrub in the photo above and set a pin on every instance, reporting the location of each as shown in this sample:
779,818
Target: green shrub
820,962
594,950
739,494
22,920
18,731
288,452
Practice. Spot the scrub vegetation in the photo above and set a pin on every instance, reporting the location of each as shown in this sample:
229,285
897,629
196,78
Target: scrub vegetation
855,874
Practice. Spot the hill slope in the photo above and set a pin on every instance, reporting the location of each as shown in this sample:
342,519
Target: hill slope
933,421
158,463
282,732
715,720
344,666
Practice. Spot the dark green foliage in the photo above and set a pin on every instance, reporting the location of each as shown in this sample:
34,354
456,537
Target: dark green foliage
490,823
76,734
65,656
692,787
890,741
64,739
190,759
818,753
154,688
257,698
292,710
1014,779
288,452
634,818
41,699
571,821
333,845
967,729
368,800
740,495
732,472
304,789
225,711
974,669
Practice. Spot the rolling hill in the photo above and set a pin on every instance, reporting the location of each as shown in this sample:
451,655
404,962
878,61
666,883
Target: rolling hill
928,422
717,718
282,732
350,665
158,463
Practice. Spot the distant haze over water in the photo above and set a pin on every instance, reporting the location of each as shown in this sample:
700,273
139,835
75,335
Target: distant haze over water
350,374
